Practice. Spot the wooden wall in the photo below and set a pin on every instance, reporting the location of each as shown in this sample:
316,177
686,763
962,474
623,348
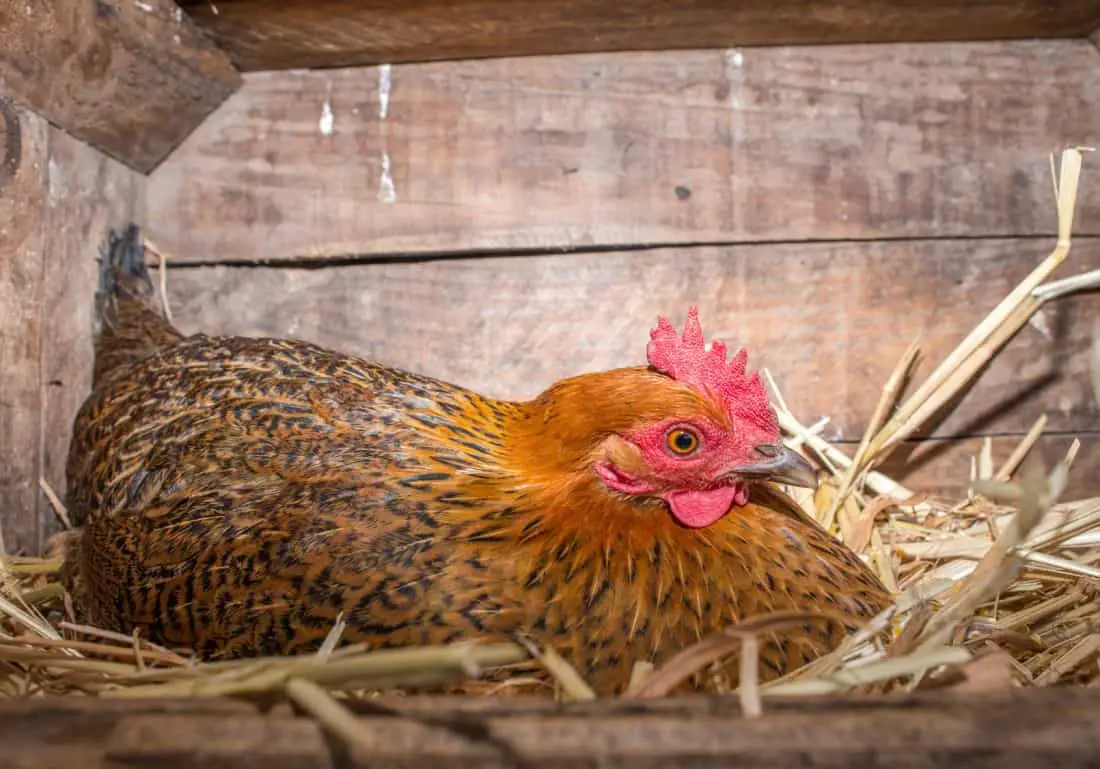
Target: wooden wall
57,198
504,223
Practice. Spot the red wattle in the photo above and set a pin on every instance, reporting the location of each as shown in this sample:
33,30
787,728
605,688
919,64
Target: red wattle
697,509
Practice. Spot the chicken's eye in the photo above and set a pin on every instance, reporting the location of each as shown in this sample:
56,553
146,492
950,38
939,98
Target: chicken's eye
682,442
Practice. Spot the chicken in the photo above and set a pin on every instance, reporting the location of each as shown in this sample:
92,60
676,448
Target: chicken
235,495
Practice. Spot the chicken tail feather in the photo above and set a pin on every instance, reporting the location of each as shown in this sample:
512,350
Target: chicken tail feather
128,324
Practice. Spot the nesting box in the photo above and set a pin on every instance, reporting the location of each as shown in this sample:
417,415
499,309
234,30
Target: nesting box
504,194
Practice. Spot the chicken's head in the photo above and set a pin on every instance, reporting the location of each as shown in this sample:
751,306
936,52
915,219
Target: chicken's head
700,430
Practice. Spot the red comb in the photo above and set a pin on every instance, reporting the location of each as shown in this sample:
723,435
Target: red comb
686,359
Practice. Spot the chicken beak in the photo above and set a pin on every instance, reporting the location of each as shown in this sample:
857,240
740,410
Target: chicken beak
783,465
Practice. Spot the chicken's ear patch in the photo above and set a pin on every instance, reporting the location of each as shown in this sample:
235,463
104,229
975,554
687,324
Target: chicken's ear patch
685,358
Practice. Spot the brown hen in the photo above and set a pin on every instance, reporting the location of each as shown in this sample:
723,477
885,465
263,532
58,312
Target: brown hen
237,494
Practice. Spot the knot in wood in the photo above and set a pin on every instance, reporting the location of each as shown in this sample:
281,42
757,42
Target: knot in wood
10,142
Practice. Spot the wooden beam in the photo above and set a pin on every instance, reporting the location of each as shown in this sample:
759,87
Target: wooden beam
130,78
788,144
1017,729
829,320
292,34
58,196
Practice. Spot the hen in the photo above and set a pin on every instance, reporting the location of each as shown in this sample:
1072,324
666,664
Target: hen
237,494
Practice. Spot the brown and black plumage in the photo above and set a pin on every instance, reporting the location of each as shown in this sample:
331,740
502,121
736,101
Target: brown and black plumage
237,494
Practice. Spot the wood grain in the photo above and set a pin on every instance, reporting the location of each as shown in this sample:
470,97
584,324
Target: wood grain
1015,730
88,194
55,207
572,152
201,741
23,192
282,34
71,732
131,78
829,320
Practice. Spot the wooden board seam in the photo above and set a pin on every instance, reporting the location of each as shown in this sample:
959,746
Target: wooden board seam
350,260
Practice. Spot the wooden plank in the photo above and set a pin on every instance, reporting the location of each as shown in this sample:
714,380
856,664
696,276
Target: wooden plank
829,320
201,741
23,190
957,734
1016,729
88,194
67,732
57,198
783,144
282,34
928,729
131,78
